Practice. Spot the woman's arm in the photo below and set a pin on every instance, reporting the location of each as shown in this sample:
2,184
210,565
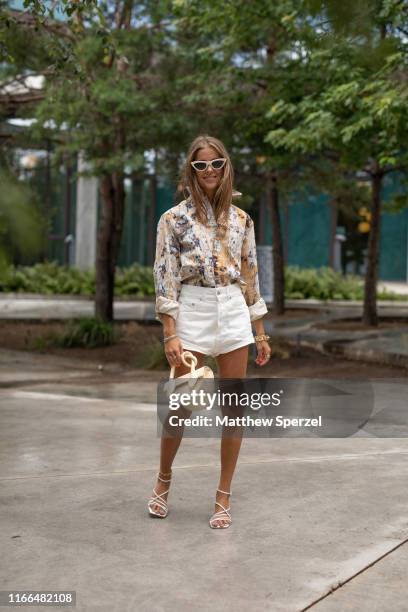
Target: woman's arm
249,274
169,325
166,272
256,304
259,326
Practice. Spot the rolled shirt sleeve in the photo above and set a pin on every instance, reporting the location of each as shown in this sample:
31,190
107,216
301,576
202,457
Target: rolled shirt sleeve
249,273
166,270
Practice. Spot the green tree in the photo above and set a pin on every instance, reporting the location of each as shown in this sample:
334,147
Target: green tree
351,107
120,79
110,70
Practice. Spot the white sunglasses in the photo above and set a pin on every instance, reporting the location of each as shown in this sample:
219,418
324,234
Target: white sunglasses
216,164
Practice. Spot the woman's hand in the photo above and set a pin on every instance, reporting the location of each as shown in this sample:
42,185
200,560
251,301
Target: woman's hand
173,349
264,352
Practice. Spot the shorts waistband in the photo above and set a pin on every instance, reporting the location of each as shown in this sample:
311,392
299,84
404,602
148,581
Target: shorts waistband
210,292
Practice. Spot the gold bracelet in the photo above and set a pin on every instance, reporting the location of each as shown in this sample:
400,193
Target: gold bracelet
261,337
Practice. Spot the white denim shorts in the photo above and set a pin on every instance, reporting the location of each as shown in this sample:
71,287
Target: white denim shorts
213,320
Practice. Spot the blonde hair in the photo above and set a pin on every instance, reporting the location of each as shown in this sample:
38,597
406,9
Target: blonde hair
188,181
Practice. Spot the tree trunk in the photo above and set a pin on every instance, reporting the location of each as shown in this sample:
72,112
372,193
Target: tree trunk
43,256
262,220
333,229
67,210
286,234
370,290
151,222
109,238
272,199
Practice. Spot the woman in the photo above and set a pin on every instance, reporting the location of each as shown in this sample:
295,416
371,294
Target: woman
207,295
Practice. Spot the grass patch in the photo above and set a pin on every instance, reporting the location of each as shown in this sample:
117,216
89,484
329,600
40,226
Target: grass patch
87,333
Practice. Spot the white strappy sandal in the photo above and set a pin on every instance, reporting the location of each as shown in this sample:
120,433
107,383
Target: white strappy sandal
158,500
223,514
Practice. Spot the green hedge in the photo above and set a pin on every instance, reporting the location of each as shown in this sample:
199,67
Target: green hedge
137,281
326,284
53,279
321,284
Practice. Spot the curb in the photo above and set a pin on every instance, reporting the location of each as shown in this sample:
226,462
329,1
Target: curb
345,348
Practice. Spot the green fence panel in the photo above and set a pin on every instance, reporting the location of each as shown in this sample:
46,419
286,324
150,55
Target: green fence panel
129,250
394,235
393,246
55,194
135,230
165,198
309,232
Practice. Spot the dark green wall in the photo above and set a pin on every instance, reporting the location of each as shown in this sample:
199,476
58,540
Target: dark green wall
138,201
308,232
394,234
393,246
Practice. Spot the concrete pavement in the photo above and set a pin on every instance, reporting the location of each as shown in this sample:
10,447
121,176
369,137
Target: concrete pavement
394,286
317,523
34,306
385,346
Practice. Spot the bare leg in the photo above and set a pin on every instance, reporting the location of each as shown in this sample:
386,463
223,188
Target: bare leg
230,365
169,445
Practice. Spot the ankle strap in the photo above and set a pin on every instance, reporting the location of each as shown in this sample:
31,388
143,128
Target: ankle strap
226,492
160,474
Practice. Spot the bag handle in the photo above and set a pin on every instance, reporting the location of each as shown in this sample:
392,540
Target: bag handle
184,356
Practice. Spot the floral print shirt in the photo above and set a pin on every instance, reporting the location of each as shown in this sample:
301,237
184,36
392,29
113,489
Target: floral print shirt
188,252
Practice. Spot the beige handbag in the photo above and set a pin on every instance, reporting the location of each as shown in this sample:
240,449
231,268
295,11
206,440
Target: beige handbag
191,381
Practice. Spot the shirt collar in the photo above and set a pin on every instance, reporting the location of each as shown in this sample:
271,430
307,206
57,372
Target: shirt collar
209,209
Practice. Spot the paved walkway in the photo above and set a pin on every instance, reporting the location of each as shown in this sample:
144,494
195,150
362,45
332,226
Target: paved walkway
395,287
26,307
386,346
318,524
35,306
